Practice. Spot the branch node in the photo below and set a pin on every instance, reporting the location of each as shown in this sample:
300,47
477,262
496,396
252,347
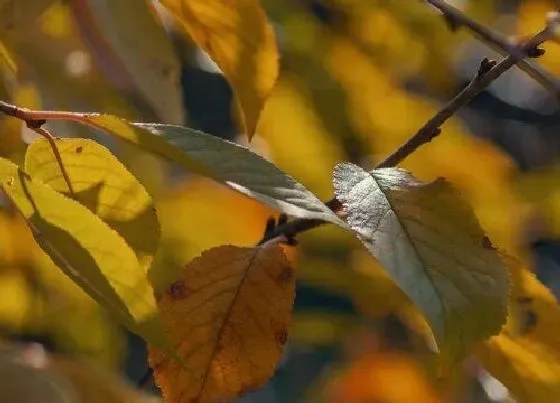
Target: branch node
535,52
35,124
453,24
485,66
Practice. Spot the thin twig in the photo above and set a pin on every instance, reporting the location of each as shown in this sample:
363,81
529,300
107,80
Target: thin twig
35,122
487,73
52,142
499,43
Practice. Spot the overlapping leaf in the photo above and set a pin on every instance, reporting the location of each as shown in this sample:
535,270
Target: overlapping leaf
227,318
104,186
127,38
431,244
525,355
239,39
224,161
87,250
199,215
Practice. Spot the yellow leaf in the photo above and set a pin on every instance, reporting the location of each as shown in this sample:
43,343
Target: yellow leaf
104,186
40,298
431,244
228,318
237,36
525,356
539,187
127,35
298,141
89,252
224,161
19,303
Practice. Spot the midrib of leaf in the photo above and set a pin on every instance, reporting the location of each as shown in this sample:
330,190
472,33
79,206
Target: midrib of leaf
417,254
226,319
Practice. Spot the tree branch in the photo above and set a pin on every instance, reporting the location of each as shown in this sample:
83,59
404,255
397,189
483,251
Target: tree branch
36,124
499,43
487,73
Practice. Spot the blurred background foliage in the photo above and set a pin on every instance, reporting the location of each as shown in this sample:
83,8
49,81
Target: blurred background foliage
358,77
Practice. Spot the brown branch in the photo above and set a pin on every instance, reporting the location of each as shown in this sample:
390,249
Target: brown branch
488,72
35,123
52,142
499,43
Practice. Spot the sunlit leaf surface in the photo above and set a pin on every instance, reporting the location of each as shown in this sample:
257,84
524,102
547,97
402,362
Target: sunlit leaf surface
431,244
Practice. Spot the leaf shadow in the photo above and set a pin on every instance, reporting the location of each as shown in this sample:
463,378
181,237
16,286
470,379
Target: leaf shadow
80,266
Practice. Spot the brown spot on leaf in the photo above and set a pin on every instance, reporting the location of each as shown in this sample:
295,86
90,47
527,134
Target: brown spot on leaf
79,149
524,299
281,336
177,290
487,243
286,274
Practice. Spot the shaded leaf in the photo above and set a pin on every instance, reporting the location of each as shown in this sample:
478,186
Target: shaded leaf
430,242
224,161
89,252
227,317
104,186
128,37
239,39
525,356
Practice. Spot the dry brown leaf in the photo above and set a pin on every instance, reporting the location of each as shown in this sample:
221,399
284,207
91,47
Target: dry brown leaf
227,318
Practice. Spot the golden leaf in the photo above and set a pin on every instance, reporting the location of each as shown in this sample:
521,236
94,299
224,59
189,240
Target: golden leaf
87,250
104,186
525,356
238,38
299,143
227,318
